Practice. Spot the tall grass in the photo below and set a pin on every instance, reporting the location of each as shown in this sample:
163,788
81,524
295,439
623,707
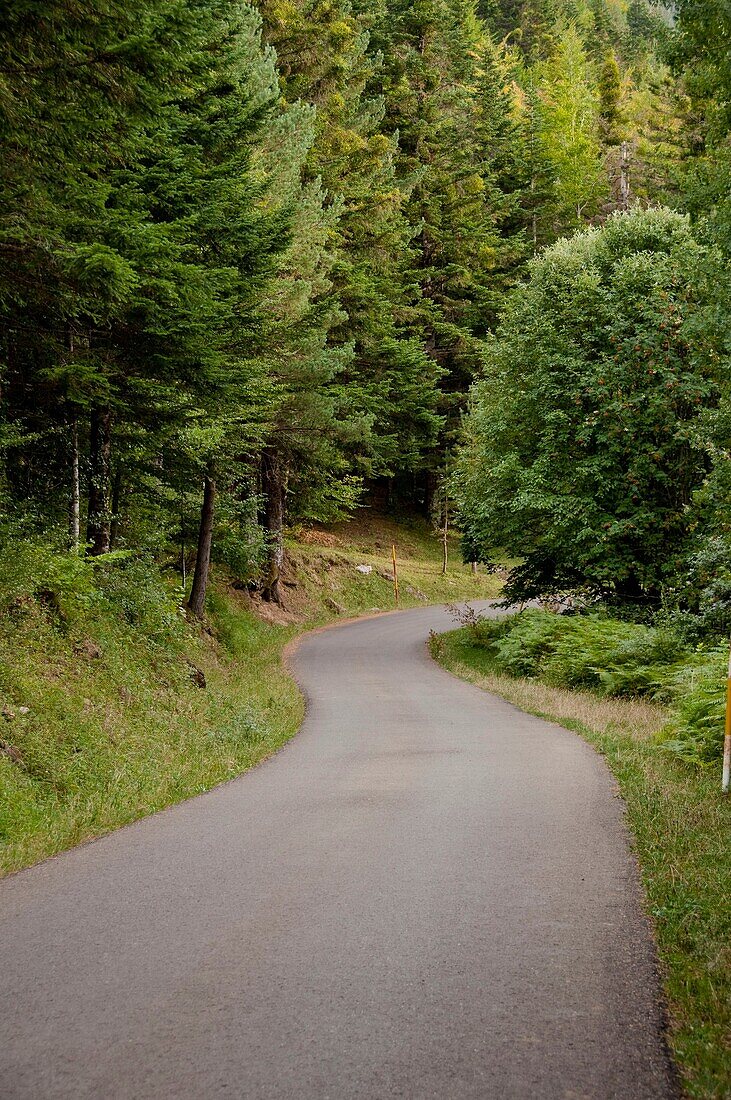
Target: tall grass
103,716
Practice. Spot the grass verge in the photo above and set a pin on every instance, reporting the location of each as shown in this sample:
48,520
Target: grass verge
103,724
103,714
680,823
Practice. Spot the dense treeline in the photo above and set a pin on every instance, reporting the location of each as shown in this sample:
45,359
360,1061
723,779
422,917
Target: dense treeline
597,445
251,254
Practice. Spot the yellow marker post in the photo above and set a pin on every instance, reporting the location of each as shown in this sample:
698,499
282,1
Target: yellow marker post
727,738
395,574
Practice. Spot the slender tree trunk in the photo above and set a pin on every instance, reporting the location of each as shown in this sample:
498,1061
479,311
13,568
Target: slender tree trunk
197,601
98,531
445,532
534,217
116,504
75,510
182,553
274,488
624,188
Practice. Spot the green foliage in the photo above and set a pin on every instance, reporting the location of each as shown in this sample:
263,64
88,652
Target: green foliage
568,111
103,721
614,658
695,732
610,94
269,247
70,588
584,443
252,240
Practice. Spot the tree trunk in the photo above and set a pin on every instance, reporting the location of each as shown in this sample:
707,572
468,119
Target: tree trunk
629,590
197,601
116,504
624,187
98,531
274,488
445,532
75,510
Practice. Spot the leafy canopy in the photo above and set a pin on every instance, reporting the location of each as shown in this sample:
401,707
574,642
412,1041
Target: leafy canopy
584,449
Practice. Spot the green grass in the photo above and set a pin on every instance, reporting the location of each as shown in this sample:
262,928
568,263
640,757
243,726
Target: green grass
681,825
326,561
101,722
111,737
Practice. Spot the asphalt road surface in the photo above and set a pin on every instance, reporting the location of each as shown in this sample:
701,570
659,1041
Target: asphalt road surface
427,894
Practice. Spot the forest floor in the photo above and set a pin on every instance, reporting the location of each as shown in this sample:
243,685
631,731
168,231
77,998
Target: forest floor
680,824
113,706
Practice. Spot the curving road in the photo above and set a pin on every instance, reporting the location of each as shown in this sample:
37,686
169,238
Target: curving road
427,894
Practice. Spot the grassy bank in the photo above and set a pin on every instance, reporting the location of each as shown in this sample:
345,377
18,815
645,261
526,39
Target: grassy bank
106,719
680,823
113,705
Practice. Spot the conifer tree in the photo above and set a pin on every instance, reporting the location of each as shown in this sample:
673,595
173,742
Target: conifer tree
383,391
154,243
610,93
568,106
82,87
443,98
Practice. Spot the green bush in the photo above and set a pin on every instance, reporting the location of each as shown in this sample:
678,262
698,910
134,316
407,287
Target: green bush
521,645
695,732
615,658
82,595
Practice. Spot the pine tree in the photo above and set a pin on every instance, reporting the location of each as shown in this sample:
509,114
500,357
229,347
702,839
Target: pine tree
373,416
155,238
610,94
442,98
81,88
568,108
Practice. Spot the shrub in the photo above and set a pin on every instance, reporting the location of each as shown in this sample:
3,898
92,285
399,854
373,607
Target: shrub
522,649
615,658
695,733
76,590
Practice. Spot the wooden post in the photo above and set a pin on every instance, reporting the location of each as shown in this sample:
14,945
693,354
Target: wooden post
727,738
395,573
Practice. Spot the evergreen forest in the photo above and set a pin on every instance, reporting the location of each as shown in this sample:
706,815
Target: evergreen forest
291,288
255,259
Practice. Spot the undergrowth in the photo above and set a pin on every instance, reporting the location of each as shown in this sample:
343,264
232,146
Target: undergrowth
620,659
113,705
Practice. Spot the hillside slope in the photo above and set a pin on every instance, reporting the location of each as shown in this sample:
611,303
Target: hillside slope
113,705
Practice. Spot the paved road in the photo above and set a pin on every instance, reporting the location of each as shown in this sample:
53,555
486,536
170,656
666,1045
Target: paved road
427,894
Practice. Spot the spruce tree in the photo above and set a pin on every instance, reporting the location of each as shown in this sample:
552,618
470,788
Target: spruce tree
442,99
